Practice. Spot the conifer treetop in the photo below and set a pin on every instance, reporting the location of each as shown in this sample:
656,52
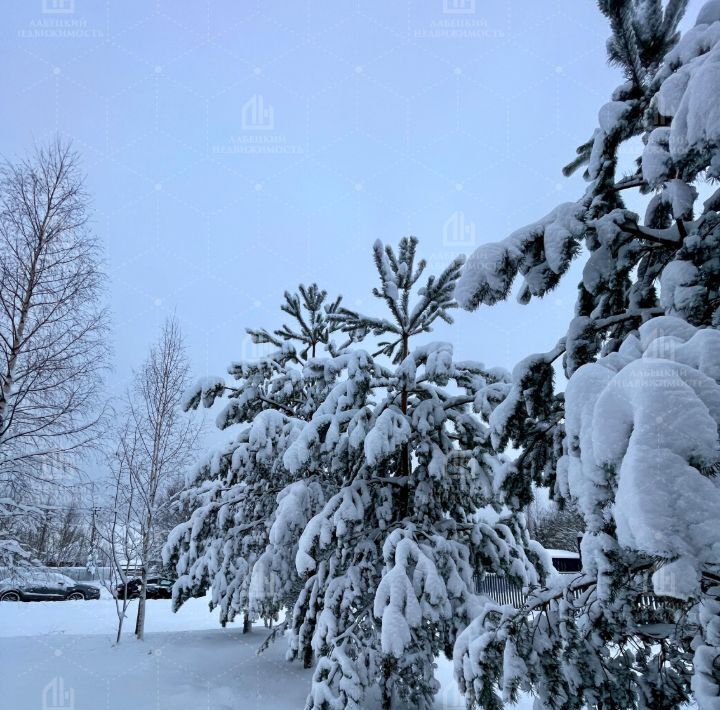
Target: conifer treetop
311,321
399,273
274,379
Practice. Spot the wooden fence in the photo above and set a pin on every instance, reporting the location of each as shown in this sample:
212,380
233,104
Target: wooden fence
500,589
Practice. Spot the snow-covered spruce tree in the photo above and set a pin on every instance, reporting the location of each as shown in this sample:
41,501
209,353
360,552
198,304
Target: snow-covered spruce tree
246,510
634,441
390,559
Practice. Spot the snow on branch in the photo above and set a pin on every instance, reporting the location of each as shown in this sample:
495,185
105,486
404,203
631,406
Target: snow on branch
541,252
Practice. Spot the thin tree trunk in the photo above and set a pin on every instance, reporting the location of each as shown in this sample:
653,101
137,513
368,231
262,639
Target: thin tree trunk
9,377
387,671
140,620
307,656
404,494
307,651
120,626
247,624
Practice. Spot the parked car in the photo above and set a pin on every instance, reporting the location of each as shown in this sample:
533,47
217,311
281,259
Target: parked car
157,588
41,585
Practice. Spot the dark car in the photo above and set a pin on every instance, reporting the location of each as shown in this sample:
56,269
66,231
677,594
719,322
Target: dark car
39,586
157,588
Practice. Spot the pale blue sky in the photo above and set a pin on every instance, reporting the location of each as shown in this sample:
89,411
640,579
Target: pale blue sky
235,149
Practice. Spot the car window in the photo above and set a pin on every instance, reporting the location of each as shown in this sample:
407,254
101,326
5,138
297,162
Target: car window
14,581
62,579
33,577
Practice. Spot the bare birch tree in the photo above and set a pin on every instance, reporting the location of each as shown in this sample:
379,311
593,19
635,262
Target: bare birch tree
116,523
159,441
53,327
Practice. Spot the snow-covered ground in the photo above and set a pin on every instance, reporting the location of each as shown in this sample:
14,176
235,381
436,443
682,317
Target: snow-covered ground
61,656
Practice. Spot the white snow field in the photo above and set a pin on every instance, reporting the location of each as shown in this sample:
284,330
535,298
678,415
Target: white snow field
61,656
